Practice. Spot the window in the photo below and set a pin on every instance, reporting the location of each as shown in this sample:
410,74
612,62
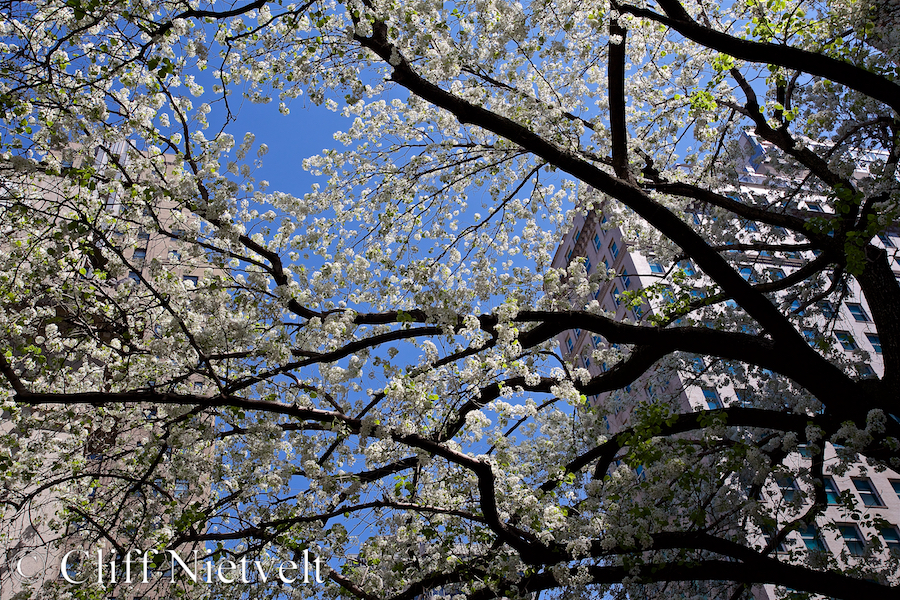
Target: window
139,254
597,242
731,367
174,255
797,308
867,491
587,265
638,312
699,365
614,294
865,371
668,295
810,335
688,267
875,341
768,535
577,235
827,309
586,360
192,279
811,539
577,333
813,206
134,276
747,274
788,488
776,274
744,397
597,340
143,235
846,340
606,264
181,487
858,312
888,243
896,485
614,249
891,538
657,268
751,227
698,294
712,398
832,495
626,280
853,539
569,255
569,344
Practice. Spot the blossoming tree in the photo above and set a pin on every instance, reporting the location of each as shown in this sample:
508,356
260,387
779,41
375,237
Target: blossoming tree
368,371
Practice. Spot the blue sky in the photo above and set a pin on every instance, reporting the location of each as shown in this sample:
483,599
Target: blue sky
306,131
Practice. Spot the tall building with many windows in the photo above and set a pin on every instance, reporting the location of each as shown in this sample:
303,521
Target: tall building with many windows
42,521
635,285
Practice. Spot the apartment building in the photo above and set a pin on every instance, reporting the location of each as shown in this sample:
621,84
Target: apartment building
628,273
37,530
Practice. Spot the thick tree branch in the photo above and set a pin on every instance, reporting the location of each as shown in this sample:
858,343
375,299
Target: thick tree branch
604,454
853,77
616,95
